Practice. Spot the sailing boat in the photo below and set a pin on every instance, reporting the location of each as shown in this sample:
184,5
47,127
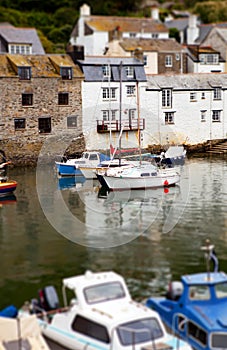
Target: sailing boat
140,176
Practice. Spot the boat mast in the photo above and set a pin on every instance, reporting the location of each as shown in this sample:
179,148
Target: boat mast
138,111
210,255
120,111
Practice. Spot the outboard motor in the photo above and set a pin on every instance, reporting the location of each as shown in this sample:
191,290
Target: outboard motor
175,290
48,298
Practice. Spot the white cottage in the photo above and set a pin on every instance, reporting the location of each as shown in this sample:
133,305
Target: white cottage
186,108
110,101
95,32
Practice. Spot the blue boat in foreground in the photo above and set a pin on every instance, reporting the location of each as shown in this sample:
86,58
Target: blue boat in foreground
195,308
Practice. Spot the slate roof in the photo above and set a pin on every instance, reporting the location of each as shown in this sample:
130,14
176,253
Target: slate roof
193,82
157,45
92,68
41,65
180,23
13,35
205,29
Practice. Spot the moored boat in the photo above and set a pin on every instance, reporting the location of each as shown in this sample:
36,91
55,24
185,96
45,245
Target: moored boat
7,187
138,177
195,307
71,167
102,315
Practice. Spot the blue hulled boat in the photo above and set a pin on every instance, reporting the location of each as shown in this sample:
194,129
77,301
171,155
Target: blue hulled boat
195,308
71,167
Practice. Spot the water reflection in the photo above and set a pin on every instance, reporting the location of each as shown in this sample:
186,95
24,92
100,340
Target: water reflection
34,253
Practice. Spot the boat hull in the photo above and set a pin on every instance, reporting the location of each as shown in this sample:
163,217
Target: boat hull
117,183
7,187
64,169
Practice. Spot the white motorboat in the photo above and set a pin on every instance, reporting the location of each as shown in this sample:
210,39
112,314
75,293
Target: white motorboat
71,167
102,316
138,177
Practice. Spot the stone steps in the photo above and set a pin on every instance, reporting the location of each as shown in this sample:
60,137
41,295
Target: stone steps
220,148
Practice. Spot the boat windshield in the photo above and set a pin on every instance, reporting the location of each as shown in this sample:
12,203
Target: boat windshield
199,292
221,290
139,331
104,292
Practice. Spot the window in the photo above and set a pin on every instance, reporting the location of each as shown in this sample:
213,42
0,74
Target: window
209,58
168,61
145,60
90,329
19,123
103,292
154,36
139,331
167,98
44,125
203,116
27,99
106,71
21,49
24,73
72,121
113,113
105,115
109,93
130,90
129,71
199,292
203,96
197,333
132,35
169,118
63,98
216,116
66,73
221,290
132,113
193,96
217,93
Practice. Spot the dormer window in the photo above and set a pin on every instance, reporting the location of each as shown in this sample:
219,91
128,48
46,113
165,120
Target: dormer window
20,49
24,73
66,73
106,71
129,71
212,58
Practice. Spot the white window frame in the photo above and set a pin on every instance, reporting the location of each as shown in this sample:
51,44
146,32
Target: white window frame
169,118
106,71
216,116
129,71
166,98
168,61
20,49
109,94
203,116
217,93
193,96
130,90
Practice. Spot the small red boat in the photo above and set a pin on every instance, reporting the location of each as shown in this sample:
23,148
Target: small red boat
7,187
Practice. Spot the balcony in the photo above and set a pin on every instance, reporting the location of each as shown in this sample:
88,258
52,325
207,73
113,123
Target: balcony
127,125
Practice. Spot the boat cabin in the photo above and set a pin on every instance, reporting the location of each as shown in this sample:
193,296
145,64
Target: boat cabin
94,288
102,315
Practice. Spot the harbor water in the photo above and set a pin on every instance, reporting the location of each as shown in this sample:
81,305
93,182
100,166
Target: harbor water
55,228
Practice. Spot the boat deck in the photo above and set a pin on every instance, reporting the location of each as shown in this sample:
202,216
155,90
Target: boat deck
54,346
